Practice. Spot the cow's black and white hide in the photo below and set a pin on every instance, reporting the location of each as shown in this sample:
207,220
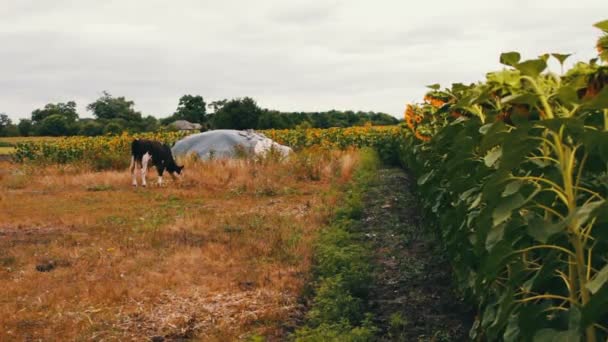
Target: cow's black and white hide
148,151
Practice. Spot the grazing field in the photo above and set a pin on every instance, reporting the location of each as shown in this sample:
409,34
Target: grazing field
221,254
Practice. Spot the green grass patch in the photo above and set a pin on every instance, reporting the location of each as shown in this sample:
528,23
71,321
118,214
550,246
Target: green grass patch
342,270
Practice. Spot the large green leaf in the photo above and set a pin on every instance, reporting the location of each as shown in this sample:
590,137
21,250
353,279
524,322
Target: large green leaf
544,57
512,331
602,25
517,147
504,209
459,87
574,319
495,235
507,77
551,335
561,57
475,203
422,180
598,280
544,278
532,317
494,134
601,213
489,315
587,212
593,61
596,142
597,307
567,95
542,230
492,156
505,307
532,67
600,101
496,259
512,188
524,98
572,125
510,58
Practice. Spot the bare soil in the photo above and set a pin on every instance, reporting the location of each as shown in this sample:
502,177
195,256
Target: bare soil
413,297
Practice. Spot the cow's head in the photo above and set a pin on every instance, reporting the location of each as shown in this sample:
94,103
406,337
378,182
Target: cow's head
179,169
176,170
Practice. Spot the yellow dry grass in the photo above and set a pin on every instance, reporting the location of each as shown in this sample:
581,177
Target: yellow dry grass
6,150
14,140
219,255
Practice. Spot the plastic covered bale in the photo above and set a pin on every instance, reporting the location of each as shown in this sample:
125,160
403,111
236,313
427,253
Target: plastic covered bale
226,143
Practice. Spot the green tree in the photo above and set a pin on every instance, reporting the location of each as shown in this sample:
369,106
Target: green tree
382,119
108,107
191,108
25,127
217,105
54,125
114,127
272,119
4,121
66,110
91,128
7,129
150,124
238,114
321,120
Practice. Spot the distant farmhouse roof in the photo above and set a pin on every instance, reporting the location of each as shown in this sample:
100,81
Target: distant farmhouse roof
184,125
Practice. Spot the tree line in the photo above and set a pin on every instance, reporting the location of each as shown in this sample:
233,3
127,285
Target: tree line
113,115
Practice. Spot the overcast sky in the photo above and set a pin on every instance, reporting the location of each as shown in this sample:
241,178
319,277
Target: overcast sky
308,55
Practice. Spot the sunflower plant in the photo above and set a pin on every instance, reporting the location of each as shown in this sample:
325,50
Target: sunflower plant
515,172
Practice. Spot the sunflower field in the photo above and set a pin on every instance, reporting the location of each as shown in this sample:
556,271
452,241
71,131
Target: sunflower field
103,152
113,151
514,171
385,139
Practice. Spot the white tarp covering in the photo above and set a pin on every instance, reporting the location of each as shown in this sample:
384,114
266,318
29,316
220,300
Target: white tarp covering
223,143
185,125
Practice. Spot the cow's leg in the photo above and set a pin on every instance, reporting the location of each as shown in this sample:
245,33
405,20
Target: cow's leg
144,167
160,170
132,168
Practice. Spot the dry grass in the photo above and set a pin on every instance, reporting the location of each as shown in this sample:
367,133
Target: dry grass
14,140
6,150
219,255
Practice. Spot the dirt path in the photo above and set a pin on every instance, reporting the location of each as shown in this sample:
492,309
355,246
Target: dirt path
412,297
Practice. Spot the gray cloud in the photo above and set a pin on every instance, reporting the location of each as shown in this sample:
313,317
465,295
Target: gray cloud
296,55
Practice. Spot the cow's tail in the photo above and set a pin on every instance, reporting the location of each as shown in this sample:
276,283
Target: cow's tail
134,148
134,145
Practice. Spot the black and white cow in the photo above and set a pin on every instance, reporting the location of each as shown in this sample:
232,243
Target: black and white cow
146,151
